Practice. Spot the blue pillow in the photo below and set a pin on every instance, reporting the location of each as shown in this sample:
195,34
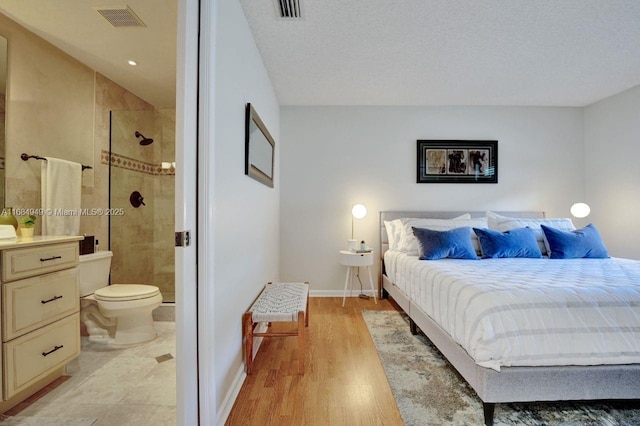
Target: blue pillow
581,243
455,243
519,242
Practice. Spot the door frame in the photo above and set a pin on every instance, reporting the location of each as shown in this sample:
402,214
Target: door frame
195,384
206,168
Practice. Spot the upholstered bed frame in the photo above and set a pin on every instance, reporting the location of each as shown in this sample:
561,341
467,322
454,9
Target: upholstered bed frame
511,384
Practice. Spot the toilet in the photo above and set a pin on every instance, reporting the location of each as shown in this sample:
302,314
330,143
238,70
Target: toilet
119,314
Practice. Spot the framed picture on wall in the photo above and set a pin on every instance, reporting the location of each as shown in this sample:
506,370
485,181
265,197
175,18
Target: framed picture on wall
457,161
259,149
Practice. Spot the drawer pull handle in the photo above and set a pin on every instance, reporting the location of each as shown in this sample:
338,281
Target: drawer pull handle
50,258
52,350
51,300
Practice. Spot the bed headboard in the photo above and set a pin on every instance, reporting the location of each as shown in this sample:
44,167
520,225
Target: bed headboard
391,215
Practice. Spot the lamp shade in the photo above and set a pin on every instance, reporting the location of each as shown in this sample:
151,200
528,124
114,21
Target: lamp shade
359,211
580,210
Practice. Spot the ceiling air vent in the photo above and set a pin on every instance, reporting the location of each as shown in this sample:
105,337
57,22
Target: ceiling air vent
121,17
289,9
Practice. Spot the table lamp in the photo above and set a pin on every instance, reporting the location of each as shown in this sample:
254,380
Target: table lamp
358,211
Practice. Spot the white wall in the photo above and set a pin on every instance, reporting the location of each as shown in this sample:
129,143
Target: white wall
333,157
612,147
246,212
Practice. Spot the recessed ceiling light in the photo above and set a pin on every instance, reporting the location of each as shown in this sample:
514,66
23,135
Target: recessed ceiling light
132,62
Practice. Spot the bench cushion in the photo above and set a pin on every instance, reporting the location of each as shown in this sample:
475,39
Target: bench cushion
280,302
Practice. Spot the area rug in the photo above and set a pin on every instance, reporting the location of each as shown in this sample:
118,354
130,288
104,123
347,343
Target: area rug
429,391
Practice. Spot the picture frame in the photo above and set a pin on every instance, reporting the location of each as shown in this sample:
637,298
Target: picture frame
259,149
457,161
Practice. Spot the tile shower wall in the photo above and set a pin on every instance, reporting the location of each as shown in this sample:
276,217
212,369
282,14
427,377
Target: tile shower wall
131,236
142,238
164,198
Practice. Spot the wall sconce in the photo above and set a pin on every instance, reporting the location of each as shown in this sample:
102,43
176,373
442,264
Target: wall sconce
580,210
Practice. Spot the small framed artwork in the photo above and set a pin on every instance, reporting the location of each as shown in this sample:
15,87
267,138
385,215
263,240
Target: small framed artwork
457,161
259,149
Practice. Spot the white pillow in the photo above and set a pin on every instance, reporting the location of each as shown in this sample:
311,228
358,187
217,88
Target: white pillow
410,242
401,232
394,232
504,223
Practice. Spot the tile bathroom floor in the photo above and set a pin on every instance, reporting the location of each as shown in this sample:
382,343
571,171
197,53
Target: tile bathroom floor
109,386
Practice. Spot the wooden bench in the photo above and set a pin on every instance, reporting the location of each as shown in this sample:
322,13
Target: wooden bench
279,302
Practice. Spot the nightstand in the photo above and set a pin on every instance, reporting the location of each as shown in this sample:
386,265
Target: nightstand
353,261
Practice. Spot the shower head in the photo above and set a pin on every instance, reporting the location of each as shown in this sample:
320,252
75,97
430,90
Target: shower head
144,141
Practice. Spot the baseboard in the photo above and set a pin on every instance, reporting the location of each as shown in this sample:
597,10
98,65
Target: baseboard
238,381
230,397
338,293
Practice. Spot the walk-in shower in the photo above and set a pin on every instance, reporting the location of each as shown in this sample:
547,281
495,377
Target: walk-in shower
142,238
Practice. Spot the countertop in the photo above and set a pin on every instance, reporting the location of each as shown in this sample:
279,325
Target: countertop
37,241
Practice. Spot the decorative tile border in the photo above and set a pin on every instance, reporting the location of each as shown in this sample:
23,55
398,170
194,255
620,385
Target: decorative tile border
128,163
1,163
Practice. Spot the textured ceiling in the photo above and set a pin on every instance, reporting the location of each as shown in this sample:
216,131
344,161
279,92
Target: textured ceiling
450,52
78,29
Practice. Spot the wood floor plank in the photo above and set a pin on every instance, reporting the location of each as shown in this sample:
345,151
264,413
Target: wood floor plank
344,382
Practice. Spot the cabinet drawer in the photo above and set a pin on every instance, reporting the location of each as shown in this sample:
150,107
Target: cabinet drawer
31,261
34,302
32,356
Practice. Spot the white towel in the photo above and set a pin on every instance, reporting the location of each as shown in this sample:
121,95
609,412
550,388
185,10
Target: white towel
61,192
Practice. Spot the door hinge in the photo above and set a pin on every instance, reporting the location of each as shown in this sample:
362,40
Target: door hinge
183,239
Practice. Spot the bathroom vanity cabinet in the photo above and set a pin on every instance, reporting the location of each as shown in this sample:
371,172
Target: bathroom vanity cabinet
40,305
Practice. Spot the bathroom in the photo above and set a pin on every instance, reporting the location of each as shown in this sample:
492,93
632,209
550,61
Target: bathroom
57,106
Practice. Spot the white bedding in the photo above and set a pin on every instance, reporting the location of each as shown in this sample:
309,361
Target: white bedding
529,312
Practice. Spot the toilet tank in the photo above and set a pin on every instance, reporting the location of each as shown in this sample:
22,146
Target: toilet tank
93,271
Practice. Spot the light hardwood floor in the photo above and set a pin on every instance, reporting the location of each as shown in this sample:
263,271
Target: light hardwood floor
343,384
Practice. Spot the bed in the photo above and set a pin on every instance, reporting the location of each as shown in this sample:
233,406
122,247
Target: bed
518,377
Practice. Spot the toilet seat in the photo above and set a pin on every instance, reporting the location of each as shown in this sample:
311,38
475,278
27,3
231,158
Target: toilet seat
126,292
